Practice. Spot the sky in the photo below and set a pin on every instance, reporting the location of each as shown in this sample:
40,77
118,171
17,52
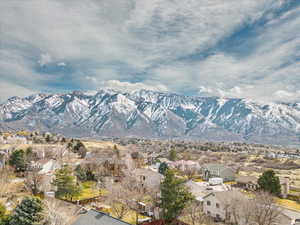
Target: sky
227,48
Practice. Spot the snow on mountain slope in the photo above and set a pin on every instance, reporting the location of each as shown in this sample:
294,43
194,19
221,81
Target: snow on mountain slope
154,114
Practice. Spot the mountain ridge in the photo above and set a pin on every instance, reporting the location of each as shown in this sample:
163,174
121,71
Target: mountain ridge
153,114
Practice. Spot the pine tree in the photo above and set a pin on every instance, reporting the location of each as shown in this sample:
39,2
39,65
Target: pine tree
48,138
28,212
173,155
269,182
163,168
80,173
66,184
18,160
174,196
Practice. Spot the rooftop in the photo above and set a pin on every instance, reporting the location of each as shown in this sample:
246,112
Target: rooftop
226,196
93,217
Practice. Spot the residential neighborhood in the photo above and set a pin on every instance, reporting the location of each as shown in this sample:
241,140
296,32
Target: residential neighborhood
111,183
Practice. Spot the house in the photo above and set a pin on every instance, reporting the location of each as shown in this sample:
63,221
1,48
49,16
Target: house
217,170
4,155
93,217
216,204
3,159
45,166
148,178
285,186
139,159
152,158
185,165
15,139
248,183
201,189
2,140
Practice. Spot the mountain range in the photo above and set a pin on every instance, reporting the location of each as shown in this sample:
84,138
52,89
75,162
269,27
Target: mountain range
150,114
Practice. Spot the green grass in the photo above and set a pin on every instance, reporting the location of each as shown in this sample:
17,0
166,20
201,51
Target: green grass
289,204
89,190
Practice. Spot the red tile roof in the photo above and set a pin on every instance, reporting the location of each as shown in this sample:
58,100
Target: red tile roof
156,222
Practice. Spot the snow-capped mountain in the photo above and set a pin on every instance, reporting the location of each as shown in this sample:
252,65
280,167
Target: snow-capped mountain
147,113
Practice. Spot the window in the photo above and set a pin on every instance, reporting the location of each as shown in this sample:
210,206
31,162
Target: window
217,205
208,212
208,202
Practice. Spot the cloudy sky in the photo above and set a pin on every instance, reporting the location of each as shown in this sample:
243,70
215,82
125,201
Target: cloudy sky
229,48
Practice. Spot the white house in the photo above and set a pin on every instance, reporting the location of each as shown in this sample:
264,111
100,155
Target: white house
46,166
148,178
216,204
202,189
184,165
2,159
2,139
15,139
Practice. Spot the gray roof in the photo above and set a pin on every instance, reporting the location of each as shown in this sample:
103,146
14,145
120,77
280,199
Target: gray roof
146,172
226,196
93,217
215,166
246,179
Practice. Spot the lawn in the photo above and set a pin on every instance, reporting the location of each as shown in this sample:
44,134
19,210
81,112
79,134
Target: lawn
230,182
89,190
289,204
130,217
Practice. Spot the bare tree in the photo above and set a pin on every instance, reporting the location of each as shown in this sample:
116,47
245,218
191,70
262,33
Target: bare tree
33,181
118,200
265,211
128,194
57,212
190,172
5,177
241,210
260,210
194,215
137,191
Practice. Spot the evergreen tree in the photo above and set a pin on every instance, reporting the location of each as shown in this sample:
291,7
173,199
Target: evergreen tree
48,138
18,160
173,155
30,155
66,184
269,182
174,196
80,173
163,168
84,173
80,149
3,217
28,212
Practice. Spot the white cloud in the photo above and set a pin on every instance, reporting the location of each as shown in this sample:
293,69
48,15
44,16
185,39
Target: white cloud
135,31
61,64
106,42
283,95
129,87
8,90
45,59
